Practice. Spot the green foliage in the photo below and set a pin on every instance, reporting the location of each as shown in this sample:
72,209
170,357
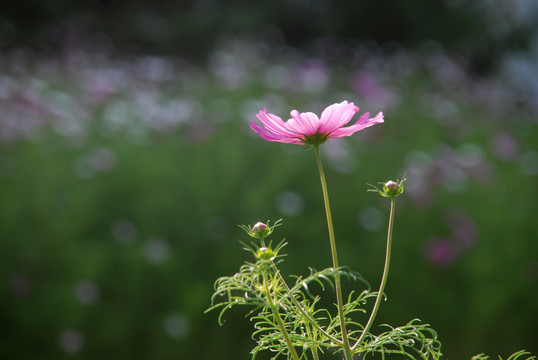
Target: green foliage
413,340
310,328
514,356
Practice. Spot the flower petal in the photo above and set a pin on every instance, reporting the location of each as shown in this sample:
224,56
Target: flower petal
303,123
362,123
266,135
272,123
336,116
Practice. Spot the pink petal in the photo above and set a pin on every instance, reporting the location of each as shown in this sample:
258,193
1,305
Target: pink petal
266,135
362,123
303,123
272,123
336,116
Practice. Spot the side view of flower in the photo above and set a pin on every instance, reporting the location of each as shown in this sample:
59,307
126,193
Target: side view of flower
288,320
309,129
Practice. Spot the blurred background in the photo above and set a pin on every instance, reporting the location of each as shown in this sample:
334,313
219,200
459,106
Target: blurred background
127,162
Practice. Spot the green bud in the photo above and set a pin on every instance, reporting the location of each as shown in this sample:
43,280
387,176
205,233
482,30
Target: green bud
390,185
390,188
260,230
265,253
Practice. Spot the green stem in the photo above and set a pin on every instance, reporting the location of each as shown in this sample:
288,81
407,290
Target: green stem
279,321
315,354
301,310
339,302
284,332
383,279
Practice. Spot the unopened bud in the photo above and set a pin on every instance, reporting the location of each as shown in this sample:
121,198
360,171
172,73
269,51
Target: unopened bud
390,188
259,227
390,185
265,253
260,230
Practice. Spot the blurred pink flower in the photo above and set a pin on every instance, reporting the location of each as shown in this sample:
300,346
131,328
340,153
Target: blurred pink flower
505,147
440,252
308,129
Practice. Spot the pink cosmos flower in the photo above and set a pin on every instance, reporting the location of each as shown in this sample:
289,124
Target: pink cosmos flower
308,129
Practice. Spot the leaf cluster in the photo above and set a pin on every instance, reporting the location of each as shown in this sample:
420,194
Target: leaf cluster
414,340
279,311
515,356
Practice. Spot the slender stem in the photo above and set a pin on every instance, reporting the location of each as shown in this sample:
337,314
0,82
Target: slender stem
279,321
284,332
302,311
383,279
315,354
339,302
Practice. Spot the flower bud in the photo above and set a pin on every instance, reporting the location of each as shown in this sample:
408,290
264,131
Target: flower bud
265,253
390,188
259,227
390,185
260,230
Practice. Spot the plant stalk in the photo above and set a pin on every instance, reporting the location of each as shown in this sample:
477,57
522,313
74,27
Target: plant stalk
279,321
301,310
383,279
339,302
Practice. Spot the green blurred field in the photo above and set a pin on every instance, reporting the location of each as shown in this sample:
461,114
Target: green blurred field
123,179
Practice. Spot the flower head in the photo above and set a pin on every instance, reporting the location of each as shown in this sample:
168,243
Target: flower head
308,129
